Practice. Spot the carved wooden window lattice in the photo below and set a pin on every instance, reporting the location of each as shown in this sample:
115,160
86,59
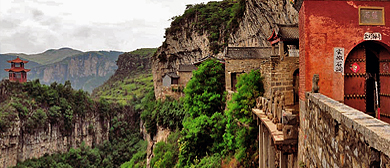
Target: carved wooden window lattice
371,16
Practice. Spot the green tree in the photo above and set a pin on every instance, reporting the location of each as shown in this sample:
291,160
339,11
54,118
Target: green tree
241,129
204,101
205,92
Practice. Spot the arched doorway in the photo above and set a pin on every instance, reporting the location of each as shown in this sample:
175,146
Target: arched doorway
366,78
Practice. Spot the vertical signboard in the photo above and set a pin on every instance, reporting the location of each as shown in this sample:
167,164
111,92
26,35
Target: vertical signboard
339,59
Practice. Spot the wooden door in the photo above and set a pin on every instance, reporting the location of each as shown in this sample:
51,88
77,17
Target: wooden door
384,80
354,79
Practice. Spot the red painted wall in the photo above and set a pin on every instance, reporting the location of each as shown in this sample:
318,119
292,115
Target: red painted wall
324,25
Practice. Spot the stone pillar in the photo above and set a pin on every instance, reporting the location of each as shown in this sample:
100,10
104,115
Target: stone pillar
281,49
273,50
265,148
261,145
271,152
283,160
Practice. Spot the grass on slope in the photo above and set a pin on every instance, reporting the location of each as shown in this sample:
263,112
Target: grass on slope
127,90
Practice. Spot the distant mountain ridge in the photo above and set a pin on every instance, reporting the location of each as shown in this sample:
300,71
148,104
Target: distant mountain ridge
49,56
85,70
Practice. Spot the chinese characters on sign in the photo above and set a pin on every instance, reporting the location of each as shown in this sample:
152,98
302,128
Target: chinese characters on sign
371,16
293,53
372,36
339,60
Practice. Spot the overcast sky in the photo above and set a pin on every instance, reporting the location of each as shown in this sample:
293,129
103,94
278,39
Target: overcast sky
33,26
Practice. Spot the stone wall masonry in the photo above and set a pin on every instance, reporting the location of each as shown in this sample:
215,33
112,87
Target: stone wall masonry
332,134
245,66
282,77
184,78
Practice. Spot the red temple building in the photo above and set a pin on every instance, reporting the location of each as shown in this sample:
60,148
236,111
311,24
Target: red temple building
17,72
348,44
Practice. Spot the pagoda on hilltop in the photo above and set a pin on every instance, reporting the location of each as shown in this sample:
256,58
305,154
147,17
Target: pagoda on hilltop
17,72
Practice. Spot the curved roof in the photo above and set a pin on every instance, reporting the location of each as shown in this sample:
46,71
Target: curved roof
248,52
284,33
17,60
17,70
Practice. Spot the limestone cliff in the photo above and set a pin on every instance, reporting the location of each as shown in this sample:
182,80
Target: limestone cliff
187,44
85,71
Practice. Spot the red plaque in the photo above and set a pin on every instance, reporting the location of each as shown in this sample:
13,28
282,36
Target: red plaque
355,67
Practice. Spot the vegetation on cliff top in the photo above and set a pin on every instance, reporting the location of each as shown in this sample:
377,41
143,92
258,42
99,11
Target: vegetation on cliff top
217,19
37,105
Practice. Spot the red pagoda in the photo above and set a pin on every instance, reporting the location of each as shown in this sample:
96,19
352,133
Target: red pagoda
17,72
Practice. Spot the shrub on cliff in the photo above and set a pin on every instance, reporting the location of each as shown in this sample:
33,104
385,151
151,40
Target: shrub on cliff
167,114
241,129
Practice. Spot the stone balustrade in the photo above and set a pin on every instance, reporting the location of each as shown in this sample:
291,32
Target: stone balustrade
332,134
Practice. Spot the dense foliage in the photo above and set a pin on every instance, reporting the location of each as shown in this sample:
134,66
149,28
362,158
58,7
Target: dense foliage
204,101
241,129
167,114
208,132
218,19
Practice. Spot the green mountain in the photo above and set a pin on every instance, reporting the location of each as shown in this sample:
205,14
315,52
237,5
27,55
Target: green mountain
50,56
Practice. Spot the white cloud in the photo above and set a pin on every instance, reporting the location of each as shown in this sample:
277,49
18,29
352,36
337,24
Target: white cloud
33,26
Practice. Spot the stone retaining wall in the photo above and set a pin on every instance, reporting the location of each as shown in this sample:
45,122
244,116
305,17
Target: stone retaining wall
332,134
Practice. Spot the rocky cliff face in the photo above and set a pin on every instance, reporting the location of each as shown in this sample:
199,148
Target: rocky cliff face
85,71
23,136
260,18
161,135
129,63
17,145
256,25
